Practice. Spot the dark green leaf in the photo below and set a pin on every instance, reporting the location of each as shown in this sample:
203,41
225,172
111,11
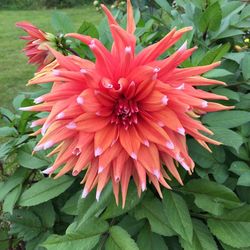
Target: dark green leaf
227,137
147,240
229,33
131,201
84,238
211,196
70,207
233,228
45,190
246,66
88,206
200,155
16,179
202,238
28,160
119,239
217,73
239,167
131,225
178,215
164,5
46,213
237,57
244,179
26,224
11,199
228,93
211,18
227,119
149,208
88,29
215,54
7,131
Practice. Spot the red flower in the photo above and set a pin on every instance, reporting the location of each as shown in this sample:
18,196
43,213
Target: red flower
125,115
36,49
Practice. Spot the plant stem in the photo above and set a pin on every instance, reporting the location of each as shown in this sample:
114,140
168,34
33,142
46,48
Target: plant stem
72,51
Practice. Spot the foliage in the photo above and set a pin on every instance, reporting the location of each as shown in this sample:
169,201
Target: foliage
211,210
30,4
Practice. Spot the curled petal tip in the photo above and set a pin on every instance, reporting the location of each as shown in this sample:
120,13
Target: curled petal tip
143,186
170,144
98,193
25,108
133,155
157,174
84,193
100,169
47,170
98,151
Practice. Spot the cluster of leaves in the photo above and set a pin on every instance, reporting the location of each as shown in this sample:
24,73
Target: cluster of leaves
211,211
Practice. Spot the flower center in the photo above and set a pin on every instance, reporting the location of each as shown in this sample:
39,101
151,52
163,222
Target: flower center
125,113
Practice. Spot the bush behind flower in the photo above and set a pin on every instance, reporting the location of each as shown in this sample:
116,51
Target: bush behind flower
211,211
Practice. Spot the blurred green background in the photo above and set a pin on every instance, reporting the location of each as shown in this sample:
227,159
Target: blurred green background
14,70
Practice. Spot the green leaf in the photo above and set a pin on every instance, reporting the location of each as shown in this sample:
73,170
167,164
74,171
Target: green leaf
149,208
88,207
245,67
46,213
227,137
4,242
227,119
34,244
228,93
5,149
164,5
11,199
178,215
239,167
61,23
18,101
201,156
233,228
237,57
215,54
231,8
70,207
245,12
131,225
220,173
202,238
16,179
119,239
84,238
6,113
7,131
211,18
45,190
88,29
25,223
228,33
217,73
244,179
131,201
26,159
211,196
147,240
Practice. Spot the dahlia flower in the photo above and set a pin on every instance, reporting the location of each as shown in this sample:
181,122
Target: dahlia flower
125,115
36,49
